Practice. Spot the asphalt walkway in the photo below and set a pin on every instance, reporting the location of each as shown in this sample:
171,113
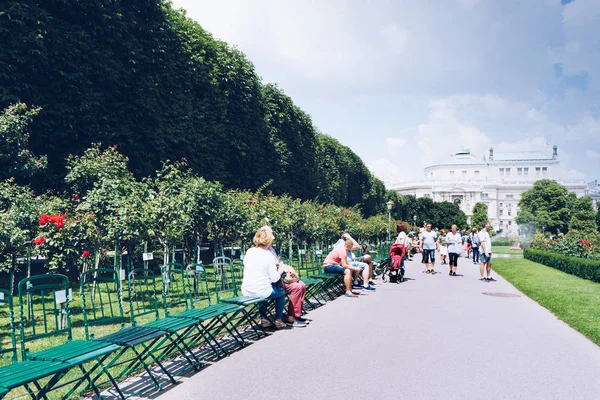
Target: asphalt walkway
432,337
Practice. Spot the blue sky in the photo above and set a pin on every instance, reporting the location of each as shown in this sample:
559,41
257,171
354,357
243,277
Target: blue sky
407,83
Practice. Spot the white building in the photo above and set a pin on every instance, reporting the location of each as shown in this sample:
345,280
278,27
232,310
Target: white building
593,190
497,181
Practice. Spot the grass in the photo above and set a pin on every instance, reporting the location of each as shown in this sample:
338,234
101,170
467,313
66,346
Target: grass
505,250
574,300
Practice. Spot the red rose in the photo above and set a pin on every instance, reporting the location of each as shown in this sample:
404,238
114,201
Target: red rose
44,219
58,220
38,241
75,197
86,253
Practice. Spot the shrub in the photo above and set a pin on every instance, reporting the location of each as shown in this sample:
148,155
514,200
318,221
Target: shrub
586,269
573,244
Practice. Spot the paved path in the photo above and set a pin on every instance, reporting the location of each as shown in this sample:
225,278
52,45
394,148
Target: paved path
433,337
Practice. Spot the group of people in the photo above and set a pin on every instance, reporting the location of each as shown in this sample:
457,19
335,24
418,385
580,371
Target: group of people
265,275
450,246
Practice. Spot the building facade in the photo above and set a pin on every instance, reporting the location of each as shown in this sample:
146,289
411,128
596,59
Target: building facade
593,190
496,180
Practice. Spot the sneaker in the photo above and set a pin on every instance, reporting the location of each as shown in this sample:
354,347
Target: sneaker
298,324
450,274
368,288
490,279
453,273
356,286
305,320
350,294
371,283
483,279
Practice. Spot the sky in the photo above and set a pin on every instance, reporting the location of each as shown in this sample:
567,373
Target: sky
405,84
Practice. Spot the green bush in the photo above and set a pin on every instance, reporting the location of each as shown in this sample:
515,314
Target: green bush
586,269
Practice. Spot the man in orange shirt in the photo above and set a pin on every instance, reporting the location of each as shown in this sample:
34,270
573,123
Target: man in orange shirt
336,263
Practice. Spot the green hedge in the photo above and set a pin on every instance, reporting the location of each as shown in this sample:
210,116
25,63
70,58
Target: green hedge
586,269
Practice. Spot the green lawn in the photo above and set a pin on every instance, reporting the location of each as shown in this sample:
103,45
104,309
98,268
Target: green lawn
505,250
574,300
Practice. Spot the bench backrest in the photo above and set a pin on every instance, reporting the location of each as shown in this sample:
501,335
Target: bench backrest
7,300
43,308
197,285
142,294
101,300
225,278
174,290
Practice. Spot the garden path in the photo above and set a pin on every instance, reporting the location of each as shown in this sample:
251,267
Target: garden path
433,337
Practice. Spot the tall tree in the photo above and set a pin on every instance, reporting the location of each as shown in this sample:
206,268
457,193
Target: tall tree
583,216
546,206
480,215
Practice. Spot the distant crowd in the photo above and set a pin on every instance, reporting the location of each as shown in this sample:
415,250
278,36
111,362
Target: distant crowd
475,245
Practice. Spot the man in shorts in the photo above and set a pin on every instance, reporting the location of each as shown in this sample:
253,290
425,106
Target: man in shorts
485,254
336,263
429,243
364,264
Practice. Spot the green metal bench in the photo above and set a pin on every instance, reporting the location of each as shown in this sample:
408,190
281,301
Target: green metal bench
212,319
332,283
44,313
27,373
141,340
226,288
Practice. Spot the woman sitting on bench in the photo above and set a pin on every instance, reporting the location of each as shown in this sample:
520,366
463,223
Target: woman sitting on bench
260,273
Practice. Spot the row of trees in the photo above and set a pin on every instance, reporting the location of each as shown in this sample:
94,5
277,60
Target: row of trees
140,75
418,210
106,206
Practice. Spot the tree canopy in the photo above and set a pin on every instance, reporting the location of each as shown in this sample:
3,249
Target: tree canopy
480,215
583,215
141,76
546,206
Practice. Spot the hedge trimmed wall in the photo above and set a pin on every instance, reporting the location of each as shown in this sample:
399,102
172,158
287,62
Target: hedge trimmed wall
586,269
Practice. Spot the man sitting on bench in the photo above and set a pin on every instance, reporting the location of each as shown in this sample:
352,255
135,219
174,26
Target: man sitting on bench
336,263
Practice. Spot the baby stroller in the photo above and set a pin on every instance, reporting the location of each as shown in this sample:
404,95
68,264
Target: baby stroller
395,266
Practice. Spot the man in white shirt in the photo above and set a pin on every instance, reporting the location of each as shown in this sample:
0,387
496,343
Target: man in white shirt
485,255
428,246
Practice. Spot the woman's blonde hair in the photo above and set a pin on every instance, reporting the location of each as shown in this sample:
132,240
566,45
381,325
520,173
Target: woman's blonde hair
264,236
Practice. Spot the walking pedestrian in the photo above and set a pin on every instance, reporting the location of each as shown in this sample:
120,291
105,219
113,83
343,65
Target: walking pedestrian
485,255
454,240
475,243
443,247
428,246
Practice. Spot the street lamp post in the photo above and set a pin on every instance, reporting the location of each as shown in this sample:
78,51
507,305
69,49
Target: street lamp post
390,205
415,219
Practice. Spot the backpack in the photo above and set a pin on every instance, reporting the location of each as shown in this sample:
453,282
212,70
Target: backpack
476,240
469,239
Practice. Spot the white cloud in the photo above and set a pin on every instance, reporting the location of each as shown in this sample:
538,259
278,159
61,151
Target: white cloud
395,142
388,171
593,154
